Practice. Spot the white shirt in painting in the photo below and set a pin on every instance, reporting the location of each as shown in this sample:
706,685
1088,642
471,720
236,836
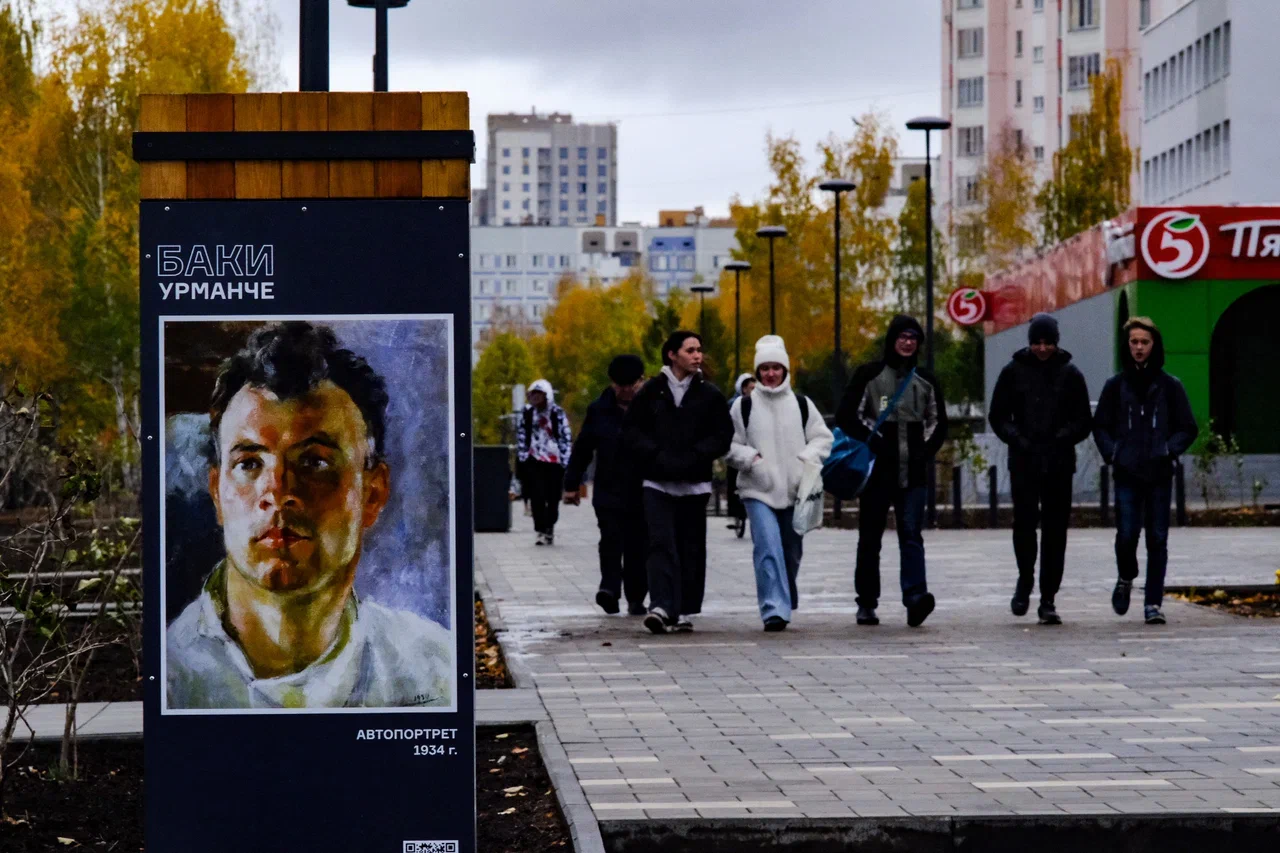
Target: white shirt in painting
381,658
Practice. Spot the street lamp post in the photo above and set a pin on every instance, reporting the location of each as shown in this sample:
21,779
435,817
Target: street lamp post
380,8
702,290
738,267
313,46
927,124
835,186
771,233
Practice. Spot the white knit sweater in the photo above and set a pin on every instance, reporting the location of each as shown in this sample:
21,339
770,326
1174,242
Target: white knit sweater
770,454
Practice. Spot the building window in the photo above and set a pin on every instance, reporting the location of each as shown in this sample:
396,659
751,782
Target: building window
524,188
602,188
1081,68
1037,6
1083,15
511,262
506,170
1226,146
658,263
686,262
1037,103
967,190
536,261
525,204
1226,48
564,205
968,4
971,141
582,188
1144,14
506,152
602,152
602,206
524,152
506,187
1017,93
602,171
1038,153
582,170
524,170
582,205
539,285
564,171
969,43
1037,53
564,187
564,153
1017,43
969,92
506,205
512,285
582,153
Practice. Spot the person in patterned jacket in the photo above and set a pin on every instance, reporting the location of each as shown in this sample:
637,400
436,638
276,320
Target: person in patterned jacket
543,444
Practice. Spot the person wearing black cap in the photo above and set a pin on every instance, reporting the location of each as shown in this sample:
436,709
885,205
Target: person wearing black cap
617,496
1040,408
1143,424
905,445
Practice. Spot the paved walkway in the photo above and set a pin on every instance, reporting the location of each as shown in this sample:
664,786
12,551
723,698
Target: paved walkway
975,713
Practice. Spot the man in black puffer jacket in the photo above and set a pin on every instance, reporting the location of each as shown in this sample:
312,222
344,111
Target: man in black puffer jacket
904,449
1040,408
676,428
616,495
1143,423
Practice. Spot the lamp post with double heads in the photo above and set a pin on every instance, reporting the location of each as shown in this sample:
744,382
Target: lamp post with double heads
927,124
702,290
835,186
738,267
380,8
771,233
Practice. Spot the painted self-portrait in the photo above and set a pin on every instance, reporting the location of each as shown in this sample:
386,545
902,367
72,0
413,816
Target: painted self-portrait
312,598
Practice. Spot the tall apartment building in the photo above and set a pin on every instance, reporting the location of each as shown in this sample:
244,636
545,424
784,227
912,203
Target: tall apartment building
546,170
1024,66
1210,117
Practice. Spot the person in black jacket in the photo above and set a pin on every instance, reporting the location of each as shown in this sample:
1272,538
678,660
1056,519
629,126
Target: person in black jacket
904,449
1143,423
675,430
617,497
1040,408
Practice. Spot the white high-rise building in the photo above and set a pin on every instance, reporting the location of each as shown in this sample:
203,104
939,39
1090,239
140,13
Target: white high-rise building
546,170
1209,116
1024,66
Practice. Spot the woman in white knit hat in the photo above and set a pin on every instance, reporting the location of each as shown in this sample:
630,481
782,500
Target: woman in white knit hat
775,435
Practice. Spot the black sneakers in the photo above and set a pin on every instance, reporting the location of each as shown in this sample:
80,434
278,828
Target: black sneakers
1021,601
867,616
775,623
684,625
1048,614
636,609
656,622
1153,615
919,609
607,601
1120,597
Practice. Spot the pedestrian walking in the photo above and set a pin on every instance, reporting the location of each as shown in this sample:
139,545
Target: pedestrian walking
676,428
617,496
741,388
543,444
1040,408
1143,423
776,433
913,431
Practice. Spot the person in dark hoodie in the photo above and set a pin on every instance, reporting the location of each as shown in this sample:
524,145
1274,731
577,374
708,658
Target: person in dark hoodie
1040,408
904,449
617,496
675,430
1143,423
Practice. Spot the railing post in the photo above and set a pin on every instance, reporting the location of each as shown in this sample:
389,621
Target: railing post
837,508
993,497
932,502
1104,481
957,511
1180,492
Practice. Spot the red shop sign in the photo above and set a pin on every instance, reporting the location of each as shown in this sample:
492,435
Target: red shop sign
1208,243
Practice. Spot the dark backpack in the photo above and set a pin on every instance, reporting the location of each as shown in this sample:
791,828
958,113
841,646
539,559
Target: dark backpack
801,399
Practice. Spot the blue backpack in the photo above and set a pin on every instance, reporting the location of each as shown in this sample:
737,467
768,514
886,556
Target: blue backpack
851,462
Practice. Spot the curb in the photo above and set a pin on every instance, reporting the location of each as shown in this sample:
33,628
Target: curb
1139,833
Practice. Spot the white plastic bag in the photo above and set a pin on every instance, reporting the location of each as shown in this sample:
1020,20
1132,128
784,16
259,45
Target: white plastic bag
807,514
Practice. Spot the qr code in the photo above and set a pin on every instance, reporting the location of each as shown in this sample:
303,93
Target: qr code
431,847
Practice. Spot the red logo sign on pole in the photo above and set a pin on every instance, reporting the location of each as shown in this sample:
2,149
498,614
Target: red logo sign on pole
967,306
1215,243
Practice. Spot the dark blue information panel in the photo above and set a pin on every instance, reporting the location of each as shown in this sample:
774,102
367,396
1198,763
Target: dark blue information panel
306,406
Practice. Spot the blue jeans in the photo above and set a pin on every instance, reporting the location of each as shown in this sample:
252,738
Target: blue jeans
1143,507
873,514
776,552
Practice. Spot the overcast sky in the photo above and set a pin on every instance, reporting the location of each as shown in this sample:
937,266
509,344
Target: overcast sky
693,85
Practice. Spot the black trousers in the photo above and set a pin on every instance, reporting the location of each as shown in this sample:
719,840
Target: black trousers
677,560
624,543
908,507
1044,500
544,484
